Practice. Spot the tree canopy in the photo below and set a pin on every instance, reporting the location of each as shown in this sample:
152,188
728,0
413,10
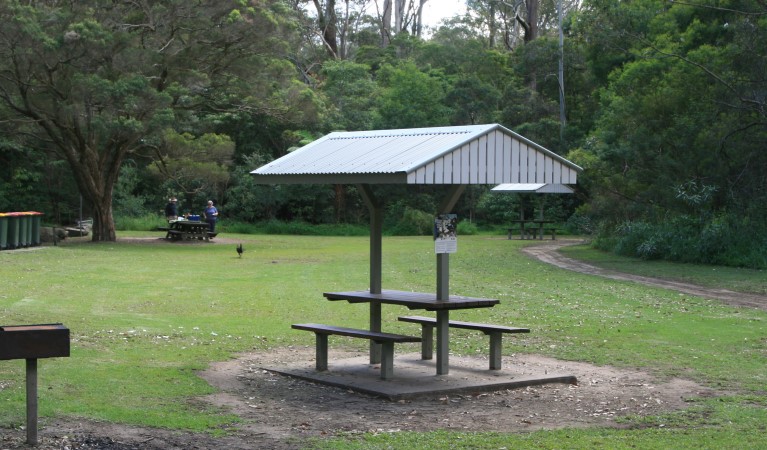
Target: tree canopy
93,82
662,102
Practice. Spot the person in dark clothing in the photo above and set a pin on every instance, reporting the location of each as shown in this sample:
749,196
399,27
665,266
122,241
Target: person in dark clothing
171,209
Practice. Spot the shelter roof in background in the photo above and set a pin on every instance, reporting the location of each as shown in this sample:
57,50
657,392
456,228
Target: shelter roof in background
538,188
476,154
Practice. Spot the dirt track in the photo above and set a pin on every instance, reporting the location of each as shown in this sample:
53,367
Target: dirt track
548,253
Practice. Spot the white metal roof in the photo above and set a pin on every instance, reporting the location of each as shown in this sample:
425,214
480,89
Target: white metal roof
538,188
476,154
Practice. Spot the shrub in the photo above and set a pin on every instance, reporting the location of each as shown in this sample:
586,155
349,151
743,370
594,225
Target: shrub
467,228
147,222
413,223
725,240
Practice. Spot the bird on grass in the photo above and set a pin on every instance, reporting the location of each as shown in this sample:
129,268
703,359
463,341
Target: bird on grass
239,250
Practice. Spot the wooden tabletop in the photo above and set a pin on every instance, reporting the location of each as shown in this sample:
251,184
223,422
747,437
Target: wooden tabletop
413,300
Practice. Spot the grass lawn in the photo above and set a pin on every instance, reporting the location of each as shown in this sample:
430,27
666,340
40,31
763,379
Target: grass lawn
733,278
145,317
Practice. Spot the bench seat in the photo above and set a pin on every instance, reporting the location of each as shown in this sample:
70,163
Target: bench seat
494,331
532,233
387,341
173,234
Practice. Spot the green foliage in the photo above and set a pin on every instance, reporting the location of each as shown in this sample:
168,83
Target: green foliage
148,222
466,228
128,201
663,100
98,84
473,101
412,222
352,92
307,229
410,98
193,164
725,240
676,131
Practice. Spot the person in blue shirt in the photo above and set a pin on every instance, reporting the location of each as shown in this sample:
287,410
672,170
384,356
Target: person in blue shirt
211,216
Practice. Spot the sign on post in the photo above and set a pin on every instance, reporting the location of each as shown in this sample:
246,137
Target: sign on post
445,233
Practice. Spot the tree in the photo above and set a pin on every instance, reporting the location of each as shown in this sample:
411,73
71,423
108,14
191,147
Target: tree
684,108
351,92
193,165
98,81
411,98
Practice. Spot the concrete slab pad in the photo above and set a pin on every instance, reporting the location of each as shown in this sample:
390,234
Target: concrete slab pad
414,377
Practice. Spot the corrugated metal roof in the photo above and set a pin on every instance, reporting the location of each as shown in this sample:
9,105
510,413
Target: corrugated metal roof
538,188
477,154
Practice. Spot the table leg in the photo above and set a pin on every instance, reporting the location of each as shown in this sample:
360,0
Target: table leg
443,350
427,341
387,362
321,351
375,325
496,353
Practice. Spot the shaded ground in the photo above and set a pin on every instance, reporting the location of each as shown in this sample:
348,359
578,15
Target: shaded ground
278,412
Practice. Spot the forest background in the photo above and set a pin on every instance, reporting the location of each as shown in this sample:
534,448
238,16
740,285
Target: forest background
107,109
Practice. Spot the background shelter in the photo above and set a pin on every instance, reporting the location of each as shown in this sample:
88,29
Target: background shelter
532,188
452,156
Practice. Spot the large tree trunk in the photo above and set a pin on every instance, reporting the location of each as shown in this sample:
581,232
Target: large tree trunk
531,32
96,174
418,25
328,22
103,221
386,23
399,15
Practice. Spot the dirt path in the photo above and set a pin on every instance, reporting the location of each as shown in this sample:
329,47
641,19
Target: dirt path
549,253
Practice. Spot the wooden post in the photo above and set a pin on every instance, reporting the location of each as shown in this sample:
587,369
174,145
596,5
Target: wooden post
496,353
32,401
321,351
376,258
443,288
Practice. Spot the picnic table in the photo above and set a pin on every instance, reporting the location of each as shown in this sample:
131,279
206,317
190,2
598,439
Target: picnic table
188,229
416,300
536,232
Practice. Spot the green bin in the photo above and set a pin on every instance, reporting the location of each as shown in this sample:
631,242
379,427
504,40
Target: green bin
3,231
23,230
34,234
13,231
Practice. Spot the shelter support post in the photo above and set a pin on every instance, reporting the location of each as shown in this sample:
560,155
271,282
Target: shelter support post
443,287
376,258
443,337
375,325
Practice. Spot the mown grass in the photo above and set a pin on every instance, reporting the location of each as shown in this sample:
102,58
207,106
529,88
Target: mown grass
733,278
145,317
